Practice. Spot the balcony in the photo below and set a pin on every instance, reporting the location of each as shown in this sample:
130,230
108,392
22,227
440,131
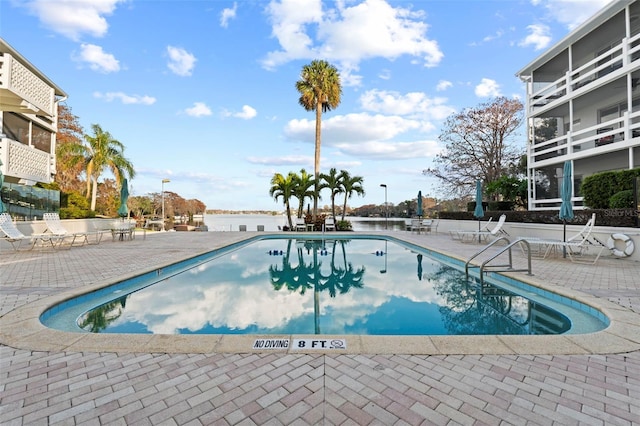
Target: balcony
23,91
612,135
607,66
25,162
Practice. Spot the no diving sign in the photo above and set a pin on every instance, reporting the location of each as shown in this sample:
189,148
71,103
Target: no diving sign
271,344
300,344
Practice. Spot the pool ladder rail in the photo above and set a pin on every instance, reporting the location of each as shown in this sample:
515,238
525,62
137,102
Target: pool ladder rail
484,267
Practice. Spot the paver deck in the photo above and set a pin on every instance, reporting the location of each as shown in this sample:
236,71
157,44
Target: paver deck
48,378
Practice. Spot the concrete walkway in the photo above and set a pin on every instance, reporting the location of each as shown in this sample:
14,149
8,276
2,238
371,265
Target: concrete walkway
45,379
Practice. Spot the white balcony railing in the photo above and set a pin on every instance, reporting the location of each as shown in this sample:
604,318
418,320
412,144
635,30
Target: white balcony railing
25,162
619,56
608,136
25,87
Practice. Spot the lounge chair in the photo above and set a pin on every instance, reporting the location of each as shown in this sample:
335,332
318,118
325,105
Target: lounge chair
330,224
576,245
414,225
455,233
470,236
14,237
55,227
426,225
300,224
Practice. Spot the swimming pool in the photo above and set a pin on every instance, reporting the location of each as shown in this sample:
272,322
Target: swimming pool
306,285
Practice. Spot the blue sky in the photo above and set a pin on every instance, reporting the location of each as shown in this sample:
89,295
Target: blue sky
203,92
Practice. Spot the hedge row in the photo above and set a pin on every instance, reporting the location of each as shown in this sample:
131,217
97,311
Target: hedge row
604,217
598,189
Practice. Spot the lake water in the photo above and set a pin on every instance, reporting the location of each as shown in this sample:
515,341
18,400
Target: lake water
232,222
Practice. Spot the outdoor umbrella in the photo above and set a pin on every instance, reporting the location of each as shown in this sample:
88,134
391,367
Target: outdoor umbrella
420,267
566,208
419,212
2,208
123,210
479,211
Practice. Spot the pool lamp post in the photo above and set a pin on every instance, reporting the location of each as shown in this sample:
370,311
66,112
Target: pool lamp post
386,207
163,217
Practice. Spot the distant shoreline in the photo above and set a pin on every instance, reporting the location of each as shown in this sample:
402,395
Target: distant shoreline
269,212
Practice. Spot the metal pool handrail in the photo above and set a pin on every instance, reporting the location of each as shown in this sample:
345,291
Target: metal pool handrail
509,266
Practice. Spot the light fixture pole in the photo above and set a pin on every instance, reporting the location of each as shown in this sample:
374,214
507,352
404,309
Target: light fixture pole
386,207
163,217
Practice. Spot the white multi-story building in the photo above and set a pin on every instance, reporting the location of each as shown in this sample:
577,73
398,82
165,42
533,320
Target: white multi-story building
583,104
28,126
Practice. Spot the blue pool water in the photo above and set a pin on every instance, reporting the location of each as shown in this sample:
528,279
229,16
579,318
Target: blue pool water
355,285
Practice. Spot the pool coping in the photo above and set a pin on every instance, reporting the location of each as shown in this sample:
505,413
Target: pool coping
21,328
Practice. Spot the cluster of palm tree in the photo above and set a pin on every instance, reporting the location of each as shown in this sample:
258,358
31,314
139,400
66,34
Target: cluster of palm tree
304,186
94,155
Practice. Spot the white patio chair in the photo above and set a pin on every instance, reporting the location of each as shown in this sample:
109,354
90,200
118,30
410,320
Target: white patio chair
577,245
14,237
300,224
330,224
455,233
484,236
55,227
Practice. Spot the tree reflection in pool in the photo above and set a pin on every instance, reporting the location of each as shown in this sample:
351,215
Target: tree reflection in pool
328,286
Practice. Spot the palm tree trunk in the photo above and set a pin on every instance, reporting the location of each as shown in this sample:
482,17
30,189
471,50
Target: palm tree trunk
316,163
289,214
344,208
94,193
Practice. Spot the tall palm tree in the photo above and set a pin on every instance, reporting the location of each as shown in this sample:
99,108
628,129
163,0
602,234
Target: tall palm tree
302,189
350,185
320,91
283,186
333,182
103,151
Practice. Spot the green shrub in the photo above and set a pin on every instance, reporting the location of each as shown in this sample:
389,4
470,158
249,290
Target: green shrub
344,225
598,189
471,206
501,205
74,206
622,200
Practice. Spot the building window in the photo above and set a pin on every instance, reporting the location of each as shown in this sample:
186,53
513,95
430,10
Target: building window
15,127
41,139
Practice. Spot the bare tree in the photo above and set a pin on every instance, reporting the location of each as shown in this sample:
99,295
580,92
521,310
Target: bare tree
479,144
70,168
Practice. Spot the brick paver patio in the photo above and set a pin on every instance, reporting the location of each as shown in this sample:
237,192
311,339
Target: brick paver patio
135,388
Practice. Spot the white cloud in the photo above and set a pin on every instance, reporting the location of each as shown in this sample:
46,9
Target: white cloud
494,36
385,74
571,13
74,18
181,62
287,160
348,35
443,85
247,113
227,14
351,127
414,104
125,99
487,88
391,150
199,109
97,59
538,37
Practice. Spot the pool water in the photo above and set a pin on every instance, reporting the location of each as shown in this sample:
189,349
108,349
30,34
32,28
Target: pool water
360,286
